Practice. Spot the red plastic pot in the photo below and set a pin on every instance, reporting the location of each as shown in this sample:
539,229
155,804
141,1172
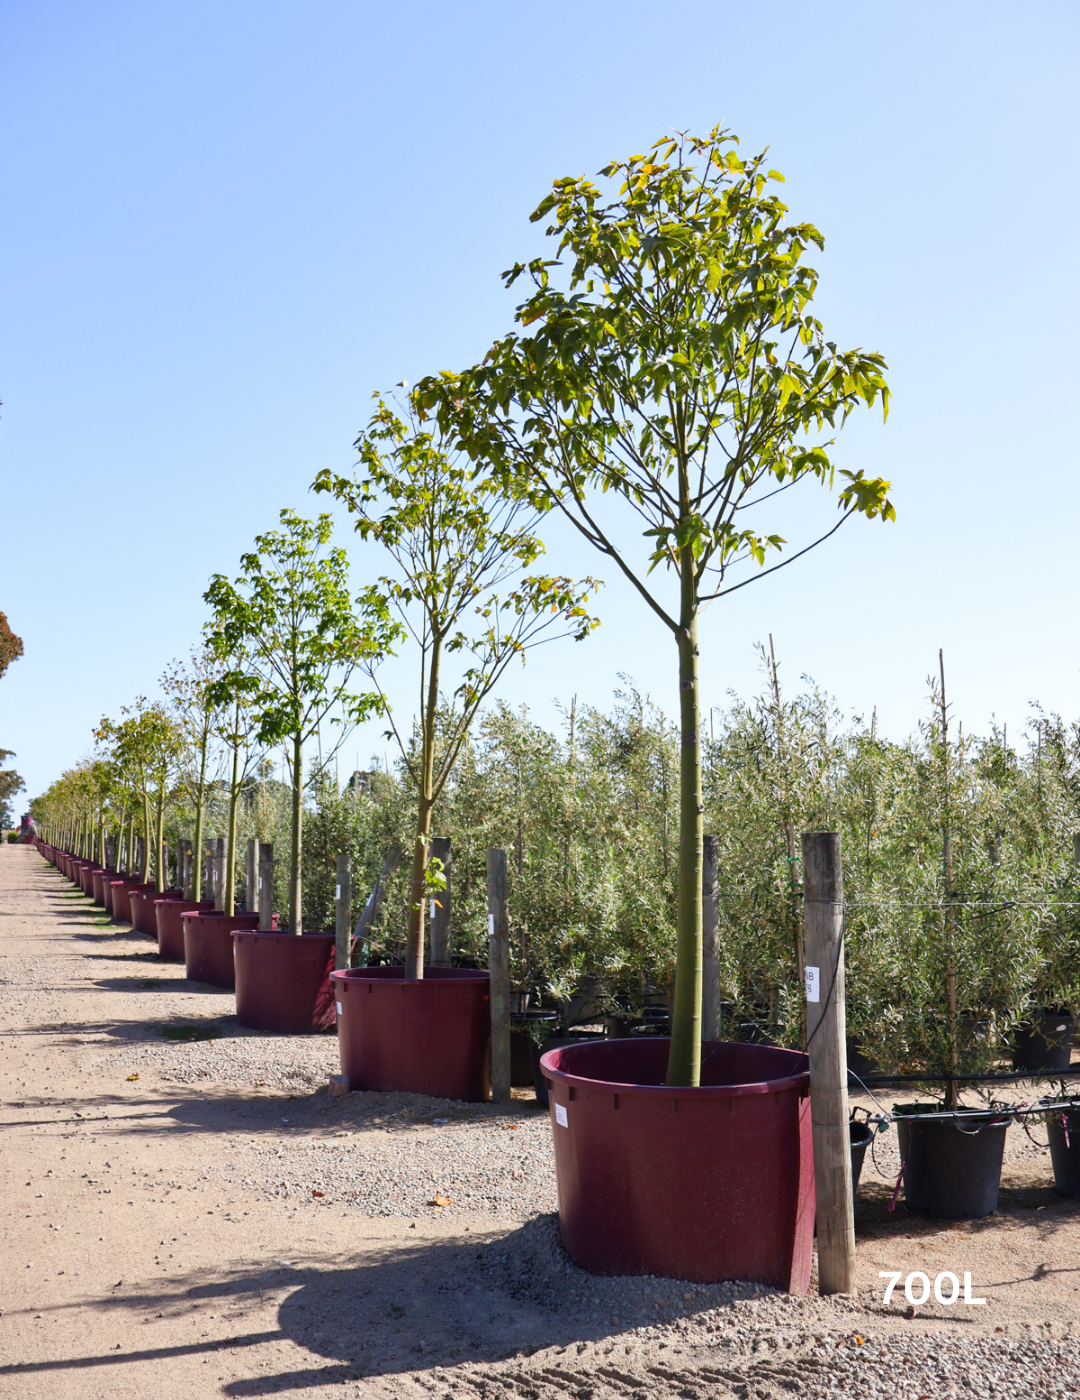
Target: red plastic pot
86,877
706,1184
170,931
121,898
99,879
208,950
143,918
423,1037
283,982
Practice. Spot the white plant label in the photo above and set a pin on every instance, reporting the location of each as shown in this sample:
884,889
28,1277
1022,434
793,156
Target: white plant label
491,925
337,893
813,984
340,1009
560,1116
917,1288
433,909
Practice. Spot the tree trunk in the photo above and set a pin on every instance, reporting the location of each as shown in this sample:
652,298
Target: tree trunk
160,873
200,817
295,914
684,1059
230,832
414,945
144,861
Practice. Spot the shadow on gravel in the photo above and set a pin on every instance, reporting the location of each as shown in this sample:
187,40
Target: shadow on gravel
438,1303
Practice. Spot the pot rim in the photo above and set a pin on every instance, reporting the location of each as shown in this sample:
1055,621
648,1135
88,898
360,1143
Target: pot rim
356,974
279,933
668,1091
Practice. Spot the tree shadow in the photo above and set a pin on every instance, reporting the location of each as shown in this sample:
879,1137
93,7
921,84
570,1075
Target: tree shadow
409,1308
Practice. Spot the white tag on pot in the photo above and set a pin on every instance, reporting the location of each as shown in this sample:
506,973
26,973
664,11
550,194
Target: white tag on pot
813,984
340,1009
491,925
560,1116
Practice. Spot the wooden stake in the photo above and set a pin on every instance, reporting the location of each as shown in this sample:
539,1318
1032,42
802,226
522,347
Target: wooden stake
219,873
266,884
440,916
499,970
823,921
185,874
251,876
374,899
710,921
950,920
343,912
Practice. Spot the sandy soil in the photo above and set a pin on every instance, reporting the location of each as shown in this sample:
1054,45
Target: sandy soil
189,1218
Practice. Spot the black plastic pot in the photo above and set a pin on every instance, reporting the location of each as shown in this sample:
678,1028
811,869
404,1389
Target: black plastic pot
1044,1044
1065,1151
553,1042
951,1169
521,1044
862,1135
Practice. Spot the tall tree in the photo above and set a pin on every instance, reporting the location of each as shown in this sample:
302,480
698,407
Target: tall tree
463,551
671,380
290,615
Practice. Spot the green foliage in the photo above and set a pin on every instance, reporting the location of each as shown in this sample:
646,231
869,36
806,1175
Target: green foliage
11,647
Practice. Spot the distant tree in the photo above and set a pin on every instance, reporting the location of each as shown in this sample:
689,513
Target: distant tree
10,784
11,647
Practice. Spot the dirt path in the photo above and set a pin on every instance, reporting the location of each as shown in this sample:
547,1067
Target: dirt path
196,1217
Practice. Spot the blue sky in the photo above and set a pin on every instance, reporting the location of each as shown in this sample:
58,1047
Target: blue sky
224,224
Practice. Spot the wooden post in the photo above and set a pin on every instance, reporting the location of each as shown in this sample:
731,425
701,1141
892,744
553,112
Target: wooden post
440,907
710,921
251,876
219,873
185,873
1076,847
499,970
343,911
823,919
266,884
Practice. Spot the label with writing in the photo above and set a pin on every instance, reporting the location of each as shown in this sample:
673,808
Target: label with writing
813,984
337,893
340,1009
560,1116
491,925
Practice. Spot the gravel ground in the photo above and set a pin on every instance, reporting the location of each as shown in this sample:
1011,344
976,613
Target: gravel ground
200,1218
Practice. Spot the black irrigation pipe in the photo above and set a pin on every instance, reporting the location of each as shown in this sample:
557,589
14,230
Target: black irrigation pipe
883,1081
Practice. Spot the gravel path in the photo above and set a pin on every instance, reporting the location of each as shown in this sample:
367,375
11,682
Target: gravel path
199,1218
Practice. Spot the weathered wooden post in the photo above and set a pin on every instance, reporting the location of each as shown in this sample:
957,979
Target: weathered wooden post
823,918
266,884
186,879
343,913
219,873
440,907
251,875
499,970
710,920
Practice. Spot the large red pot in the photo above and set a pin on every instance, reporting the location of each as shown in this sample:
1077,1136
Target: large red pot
170,931
143,919
424,1037
208,949
99,880
86,876
707,1184
283,982
121,898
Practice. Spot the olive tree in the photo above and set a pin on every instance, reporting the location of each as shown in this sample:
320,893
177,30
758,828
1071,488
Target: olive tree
667,376
463,551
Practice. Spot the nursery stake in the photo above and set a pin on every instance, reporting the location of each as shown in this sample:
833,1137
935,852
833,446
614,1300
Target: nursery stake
440,922
710,931
186,875
343,912
499,970
219,873
266,884
251,866
823,922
